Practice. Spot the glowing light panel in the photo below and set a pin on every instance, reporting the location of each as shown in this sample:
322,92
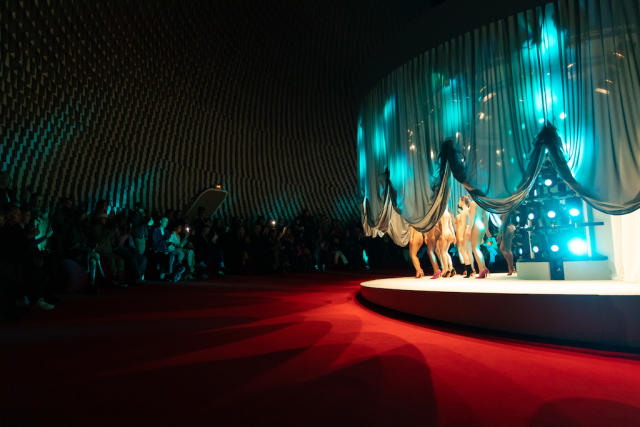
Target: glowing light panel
577,246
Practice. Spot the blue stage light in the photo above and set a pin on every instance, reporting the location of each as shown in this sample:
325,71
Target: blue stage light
531,216
541,120
536,249
518,218
563,116
555,248
520,251
574,212
548,182
577,246
551,214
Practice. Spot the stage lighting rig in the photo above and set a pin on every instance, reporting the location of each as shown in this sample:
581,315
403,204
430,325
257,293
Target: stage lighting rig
552,223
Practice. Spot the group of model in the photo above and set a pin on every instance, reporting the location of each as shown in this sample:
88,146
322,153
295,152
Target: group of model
467,231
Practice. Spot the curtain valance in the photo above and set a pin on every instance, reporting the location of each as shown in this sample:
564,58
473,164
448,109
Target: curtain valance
560,80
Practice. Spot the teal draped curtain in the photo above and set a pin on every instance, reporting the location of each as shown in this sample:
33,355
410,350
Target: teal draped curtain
562,79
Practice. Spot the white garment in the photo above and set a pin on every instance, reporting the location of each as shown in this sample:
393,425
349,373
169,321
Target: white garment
625,235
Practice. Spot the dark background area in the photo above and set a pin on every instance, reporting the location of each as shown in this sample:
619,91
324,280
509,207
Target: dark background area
153,101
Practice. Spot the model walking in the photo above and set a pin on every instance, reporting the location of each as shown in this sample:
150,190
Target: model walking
463,240
477,230
447,237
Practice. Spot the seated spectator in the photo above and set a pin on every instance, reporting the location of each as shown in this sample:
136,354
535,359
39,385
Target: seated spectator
12,254
321,252
275,247
183,249
335,247
15,262
128,251
207,252
237,248
37,273
166,253
106,242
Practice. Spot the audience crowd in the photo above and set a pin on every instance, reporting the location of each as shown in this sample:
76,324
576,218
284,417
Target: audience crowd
70,248
48,250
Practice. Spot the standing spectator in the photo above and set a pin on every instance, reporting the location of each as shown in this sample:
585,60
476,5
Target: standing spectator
140,232
201,220
207,252
62,223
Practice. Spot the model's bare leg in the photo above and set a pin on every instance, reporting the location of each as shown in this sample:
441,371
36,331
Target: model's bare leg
461,243
477,234
505,247
414,246
443,254
431,247
447,257
468,253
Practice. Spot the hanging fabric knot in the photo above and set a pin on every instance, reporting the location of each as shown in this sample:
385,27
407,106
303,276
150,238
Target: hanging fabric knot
449,153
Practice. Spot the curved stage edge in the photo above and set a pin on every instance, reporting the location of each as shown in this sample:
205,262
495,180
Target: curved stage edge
602,312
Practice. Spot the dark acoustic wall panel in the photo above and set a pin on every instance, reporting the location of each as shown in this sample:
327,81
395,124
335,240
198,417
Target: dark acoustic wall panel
154,100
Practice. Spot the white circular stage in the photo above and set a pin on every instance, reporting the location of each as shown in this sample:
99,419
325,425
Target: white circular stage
601,312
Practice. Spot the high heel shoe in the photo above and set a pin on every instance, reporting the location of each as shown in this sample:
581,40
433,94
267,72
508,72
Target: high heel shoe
447,273
453,272
484,274
437,274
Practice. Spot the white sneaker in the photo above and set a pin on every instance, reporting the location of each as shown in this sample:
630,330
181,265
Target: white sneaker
42,304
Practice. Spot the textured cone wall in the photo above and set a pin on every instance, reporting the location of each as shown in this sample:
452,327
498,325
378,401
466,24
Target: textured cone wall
154,100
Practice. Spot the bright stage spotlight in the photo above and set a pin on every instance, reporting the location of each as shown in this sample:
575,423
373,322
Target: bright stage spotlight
520,251
554,248
551,214
536,249
577,246
574,212
531,216
548,182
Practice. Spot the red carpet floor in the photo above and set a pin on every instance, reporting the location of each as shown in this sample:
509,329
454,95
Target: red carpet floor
292,350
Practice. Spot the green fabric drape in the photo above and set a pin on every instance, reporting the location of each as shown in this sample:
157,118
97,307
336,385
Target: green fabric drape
488,105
